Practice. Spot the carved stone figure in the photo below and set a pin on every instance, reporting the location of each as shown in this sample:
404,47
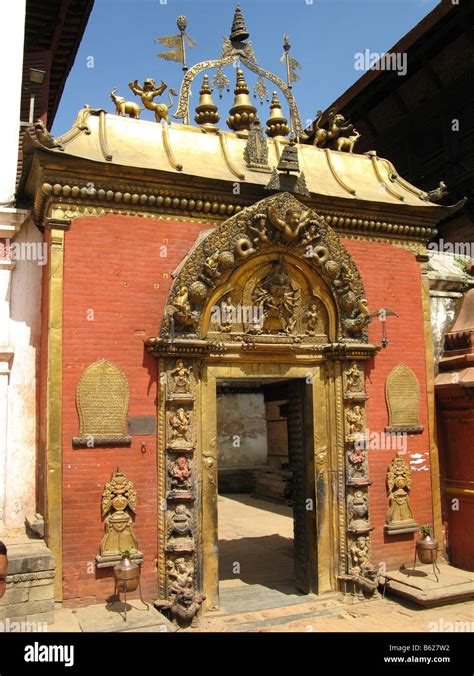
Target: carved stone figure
185,607
181,309
179,472
45,137
360,558
210,270
260,229
180,422
399,515
123,107
354,379
356,324
180,575
337,127
278,299
179,525
228,311
119,500
357,469
180,378
355,420
291,226
311,318
357,511
149,92
346,144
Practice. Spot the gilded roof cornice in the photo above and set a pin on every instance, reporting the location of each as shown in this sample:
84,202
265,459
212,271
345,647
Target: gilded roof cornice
107,163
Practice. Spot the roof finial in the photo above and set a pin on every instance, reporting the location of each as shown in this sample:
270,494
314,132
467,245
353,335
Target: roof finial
239,29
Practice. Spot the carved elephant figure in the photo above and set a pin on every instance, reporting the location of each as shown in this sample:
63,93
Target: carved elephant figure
123,107
346,143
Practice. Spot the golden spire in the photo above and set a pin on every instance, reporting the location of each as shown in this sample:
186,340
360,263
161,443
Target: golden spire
239,29
242,114
277,122
206,110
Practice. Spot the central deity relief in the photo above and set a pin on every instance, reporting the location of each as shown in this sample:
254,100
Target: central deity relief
279,299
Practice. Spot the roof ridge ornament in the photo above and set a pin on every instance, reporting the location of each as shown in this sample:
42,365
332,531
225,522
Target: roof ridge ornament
282,178
239,32
235,50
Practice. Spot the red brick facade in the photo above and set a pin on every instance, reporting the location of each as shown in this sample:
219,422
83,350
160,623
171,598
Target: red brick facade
117,274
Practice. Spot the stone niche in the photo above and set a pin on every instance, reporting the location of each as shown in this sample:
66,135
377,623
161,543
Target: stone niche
29,595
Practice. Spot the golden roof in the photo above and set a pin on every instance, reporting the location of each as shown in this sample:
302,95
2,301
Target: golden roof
216,154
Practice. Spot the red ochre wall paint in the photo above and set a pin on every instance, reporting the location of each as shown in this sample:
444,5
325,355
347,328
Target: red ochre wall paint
117,275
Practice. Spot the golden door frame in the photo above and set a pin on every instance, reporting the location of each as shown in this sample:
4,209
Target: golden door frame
325,459
223,261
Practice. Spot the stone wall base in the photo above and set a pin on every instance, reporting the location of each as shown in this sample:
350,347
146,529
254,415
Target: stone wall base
29,595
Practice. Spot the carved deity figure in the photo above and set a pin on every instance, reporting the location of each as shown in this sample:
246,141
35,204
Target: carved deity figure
354,379
180,523
399,483
180,474
357,509
357,466
118,500
211,266
228,311
181,378
148,92
311,319
181,309
180,423
355,420
259,229
360,558
180,576
278,300
291,226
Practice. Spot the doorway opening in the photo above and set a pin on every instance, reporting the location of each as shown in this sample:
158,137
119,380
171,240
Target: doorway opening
266,534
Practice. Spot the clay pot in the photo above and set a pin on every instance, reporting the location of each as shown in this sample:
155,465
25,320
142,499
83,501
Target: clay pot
127,575
3,569
427,549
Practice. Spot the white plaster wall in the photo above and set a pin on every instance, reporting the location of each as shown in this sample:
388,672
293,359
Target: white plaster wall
24,337
241,415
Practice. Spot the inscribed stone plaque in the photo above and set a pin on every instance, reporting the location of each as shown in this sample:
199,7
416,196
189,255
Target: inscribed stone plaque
403,400
102,398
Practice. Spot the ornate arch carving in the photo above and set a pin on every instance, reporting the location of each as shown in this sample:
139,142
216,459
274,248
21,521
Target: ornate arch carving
278,260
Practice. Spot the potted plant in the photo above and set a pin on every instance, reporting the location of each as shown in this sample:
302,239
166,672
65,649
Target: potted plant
426,546
3,568
127,573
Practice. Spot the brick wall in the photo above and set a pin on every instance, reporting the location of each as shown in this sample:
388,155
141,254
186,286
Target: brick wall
116,267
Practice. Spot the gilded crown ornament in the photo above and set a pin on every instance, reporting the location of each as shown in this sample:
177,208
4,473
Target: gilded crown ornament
239,31
206,110
277,124
242,113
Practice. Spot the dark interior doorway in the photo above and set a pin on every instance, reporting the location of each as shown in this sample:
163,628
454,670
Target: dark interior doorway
264,456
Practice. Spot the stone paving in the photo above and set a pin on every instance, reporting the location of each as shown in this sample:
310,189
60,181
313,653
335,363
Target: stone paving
258,597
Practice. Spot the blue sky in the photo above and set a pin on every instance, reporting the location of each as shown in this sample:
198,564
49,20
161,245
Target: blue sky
325,35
